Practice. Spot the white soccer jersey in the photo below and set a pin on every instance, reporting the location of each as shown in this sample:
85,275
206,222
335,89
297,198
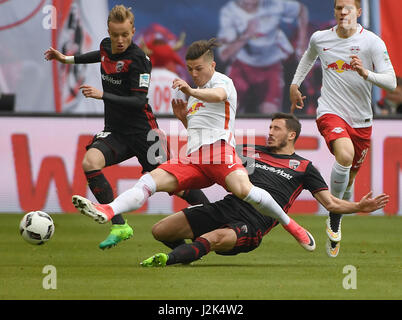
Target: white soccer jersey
208,122
344,92
271,44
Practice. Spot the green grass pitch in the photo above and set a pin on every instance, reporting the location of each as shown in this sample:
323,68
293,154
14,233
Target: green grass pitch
278,269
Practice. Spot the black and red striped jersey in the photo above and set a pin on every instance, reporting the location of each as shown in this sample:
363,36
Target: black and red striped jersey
283,176
125,81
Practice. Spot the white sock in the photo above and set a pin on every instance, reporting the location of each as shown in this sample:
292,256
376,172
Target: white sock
263,202
348,192
134,198
339,179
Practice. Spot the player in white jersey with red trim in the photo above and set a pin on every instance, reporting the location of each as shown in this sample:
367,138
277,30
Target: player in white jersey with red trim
211,158
352,60
208,122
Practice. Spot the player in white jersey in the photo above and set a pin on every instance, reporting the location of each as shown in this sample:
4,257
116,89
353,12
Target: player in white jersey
209,118
208,122
352,60
254,46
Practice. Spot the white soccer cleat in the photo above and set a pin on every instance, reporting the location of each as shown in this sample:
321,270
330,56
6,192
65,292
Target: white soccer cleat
310,246
101,213
332,235
332,248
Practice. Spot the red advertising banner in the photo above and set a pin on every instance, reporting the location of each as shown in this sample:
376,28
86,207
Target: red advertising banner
40,163
391,27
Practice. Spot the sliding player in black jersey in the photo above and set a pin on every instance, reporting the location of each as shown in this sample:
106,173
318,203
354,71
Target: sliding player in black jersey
232,226
125,72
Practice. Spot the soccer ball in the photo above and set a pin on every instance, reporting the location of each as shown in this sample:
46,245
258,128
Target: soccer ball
36,227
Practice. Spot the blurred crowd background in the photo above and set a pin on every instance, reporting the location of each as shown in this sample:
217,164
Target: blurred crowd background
259,50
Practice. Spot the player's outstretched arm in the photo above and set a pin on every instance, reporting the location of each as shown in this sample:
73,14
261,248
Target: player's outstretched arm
89,57
366,204
369,204
205,94
296,98
53,54
306,63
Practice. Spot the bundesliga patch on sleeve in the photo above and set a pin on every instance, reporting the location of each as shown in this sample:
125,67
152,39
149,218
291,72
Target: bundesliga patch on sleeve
144,79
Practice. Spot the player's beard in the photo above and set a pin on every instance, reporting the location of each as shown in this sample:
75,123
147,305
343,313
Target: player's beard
277,148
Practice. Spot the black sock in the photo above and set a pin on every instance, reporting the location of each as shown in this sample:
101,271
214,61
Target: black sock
174,244
333,244
118,219
195,196
187,253
334,220
102,191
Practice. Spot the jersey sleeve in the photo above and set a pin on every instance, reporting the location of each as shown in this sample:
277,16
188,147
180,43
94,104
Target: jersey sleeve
380,56
140,75
89,57
313,180
312,47
306,62
224,83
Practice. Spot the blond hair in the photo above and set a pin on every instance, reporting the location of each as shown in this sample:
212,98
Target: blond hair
120,13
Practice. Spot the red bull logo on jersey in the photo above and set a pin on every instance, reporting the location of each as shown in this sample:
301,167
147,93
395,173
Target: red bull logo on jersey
339,66
195,107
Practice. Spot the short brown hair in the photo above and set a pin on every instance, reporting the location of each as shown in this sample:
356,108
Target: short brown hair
120,13
292,123
201,47
357,4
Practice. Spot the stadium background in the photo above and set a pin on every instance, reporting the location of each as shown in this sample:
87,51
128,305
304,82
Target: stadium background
45,122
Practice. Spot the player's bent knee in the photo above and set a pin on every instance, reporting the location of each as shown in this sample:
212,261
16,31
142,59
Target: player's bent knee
164,180
241,191
93,160
239,185
344,152
169,229
345,159
158,231
221,239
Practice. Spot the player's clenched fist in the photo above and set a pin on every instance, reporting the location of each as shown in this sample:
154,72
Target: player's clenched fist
179,107
182,86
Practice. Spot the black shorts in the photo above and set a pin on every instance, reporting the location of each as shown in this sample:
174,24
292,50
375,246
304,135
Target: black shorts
151,150
250,226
